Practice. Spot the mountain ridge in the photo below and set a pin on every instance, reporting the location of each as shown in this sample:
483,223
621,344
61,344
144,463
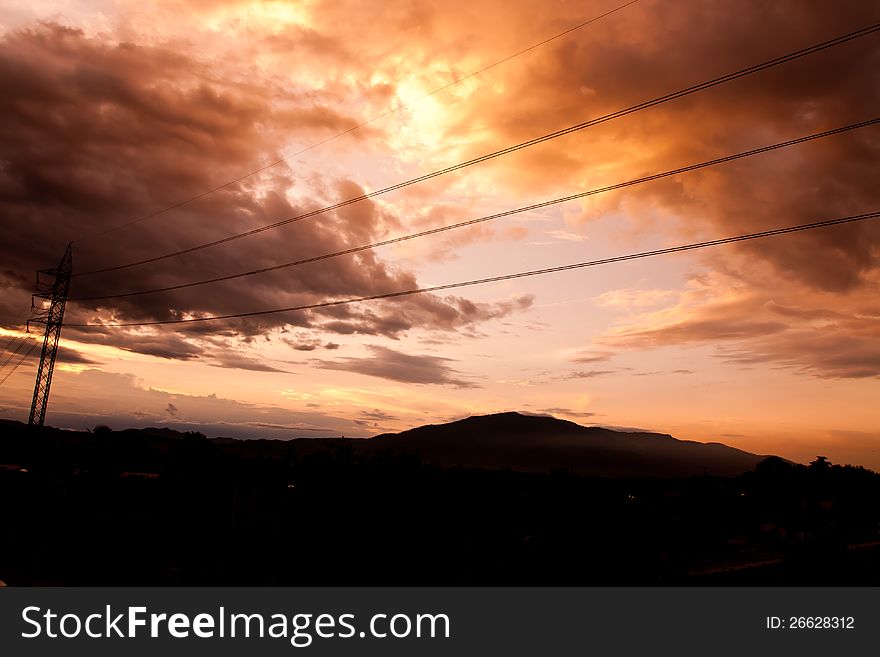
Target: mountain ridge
539,443
511,440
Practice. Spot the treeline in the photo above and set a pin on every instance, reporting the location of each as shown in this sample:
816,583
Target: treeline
157,507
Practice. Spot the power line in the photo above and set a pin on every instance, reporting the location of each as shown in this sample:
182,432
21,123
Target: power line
12,354
8,344
20,361
507,213
553,135
15,337
505,277
393,110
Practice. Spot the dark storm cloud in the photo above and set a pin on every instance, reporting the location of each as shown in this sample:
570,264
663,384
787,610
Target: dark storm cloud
167,345
94,133
73,357
65,354
394,365
240,362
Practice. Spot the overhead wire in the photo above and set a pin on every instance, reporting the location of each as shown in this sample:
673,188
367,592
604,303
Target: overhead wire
553,135
9,342
497,215
20,361
12,354
503,277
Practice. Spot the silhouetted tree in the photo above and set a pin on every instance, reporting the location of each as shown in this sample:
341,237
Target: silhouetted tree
774,466
821,464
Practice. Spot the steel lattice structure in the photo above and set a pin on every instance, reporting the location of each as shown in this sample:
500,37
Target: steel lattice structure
52,316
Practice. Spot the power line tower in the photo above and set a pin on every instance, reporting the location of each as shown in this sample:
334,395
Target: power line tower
52,315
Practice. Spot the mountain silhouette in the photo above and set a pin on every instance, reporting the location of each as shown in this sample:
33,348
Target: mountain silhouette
514,441
538,443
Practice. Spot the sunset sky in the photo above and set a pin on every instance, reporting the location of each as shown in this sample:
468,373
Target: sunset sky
114,109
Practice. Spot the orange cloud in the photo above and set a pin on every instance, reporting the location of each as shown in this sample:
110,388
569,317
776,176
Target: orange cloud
817,333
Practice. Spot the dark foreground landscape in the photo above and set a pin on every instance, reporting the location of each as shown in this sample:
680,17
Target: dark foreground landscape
505,499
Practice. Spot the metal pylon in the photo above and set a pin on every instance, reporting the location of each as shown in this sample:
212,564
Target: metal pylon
52,315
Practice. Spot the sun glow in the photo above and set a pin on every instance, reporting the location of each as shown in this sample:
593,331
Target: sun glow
273,16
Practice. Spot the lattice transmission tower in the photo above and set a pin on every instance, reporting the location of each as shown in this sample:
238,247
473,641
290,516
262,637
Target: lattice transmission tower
49,310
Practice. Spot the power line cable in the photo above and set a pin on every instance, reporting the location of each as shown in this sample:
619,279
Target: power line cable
504,277
12,354
553,135
15,337
8,344
20,361
507,213
393,110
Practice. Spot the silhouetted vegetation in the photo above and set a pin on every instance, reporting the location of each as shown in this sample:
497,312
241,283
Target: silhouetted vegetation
157,507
